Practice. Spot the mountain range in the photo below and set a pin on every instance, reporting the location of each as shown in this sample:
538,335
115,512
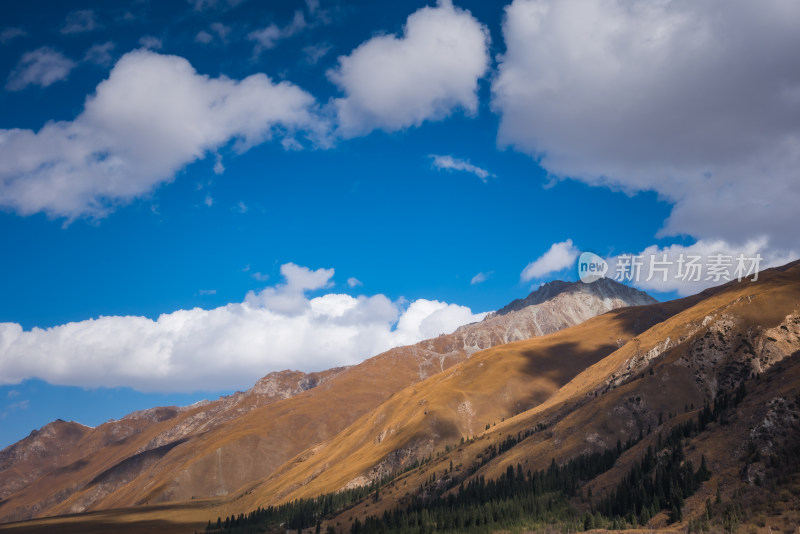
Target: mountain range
571,371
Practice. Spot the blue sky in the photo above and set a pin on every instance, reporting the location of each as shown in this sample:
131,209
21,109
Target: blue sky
238,187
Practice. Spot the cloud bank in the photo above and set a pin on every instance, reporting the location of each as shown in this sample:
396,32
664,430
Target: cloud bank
151,117
696,100
227,347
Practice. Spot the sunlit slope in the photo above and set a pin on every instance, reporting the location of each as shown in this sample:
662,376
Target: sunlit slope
213,449
422,419
640,370
721,337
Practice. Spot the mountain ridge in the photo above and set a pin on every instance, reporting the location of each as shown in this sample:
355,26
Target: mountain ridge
605,288
633,376
283,414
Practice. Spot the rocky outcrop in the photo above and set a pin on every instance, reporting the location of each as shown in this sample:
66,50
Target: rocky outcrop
552,307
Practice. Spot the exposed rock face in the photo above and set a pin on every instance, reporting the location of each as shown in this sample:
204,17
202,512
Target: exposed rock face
553,307
214,447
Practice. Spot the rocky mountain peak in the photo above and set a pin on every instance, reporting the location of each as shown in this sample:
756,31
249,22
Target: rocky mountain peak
604,288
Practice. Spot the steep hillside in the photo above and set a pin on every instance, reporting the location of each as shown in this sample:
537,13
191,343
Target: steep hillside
459,403
564,429
658,380
214,448
60,454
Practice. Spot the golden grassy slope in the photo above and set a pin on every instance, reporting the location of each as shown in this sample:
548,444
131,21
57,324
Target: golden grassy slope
494,384
215,449
220,460
617,396
590,383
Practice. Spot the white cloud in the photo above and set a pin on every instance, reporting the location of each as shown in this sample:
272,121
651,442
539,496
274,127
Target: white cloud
667,269
21,405
449,163
265,37
219,168
699,101
289,298
312,5
313,53
208,201
424,319
560,256
151,42
203,37
227,347
354,282
220,29
394,82
268,37
9,34
205,292
152,116
80,21
100,54
203,5
480,278
261,277
43,67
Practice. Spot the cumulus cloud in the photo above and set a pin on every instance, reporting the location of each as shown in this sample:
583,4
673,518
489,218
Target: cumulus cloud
289,298
449,163
80,21
152,116
43,67
699,101
393,82
558,257
227,347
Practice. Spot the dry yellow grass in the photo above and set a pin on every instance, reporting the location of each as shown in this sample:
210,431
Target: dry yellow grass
583,382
